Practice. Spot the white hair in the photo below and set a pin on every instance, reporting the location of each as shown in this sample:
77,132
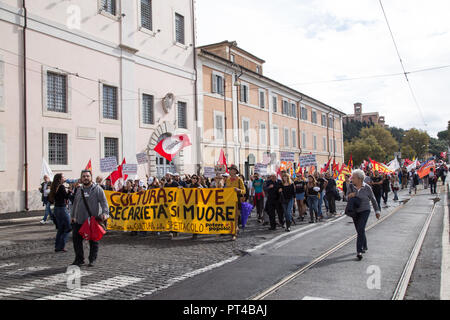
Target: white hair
359,173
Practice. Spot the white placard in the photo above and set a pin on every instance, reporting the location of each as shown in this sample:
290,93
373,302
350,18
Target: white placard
209,172
307,161
142,158
261,169
130,168
287,156
108,164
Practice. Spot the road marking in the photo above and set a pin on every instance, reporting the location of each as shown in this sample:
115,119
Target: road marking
313,298
188,275
39,283
445,266
21,219
6,265
25,271
94,289
402,286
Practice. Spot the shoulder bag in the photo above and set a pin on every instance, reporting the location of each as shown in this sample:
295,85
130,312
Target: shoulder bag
92,229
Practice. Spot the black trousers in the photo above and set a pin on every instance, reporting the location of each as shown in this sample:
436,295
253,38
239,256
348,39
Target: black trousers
433,184
271,208
385,195
78,245
331,202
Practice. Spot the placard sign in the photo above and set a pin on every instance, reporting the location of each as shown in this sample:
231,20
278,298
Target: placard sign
308,160
261,169
130,168
108,164
209,172
287,156
142,158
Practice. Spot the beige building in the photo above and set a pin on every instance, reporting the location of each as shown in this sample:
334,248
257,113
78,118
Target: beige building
250,115
91,78
371,117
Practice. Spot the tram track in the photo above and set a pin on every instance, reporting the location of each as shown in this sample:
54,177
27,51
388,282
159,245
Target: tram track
403,282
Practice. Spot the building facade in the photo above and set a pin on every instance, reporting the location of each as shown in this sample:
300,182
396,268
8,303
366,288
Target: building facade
83,80
251,116
371,117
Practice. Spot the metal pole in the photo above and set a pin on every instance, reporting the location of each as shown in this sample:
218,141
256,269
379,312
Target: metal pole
25,103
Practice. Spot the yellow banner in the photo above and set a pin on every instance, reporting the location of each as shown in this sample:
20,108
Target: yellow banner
201,211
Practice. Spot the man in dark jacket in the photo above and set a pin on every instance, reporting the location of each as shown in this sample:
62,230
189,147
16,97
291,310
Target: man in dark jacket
273,203
330,193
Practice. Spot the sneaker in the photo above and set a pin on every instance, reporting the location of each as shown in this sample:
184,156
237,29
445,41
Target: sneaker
359,256
288,229
60,250
49,221
91,264
42,222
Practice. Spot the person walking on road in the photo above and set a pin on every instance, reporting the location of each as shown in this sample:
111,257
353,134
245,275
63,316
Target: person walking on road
330,194
312,198
273,203
364,193
385,189
413,180
234,181
300,185
395,182
58,195
45,190
88,200
377,186
287,195
257,186
432,180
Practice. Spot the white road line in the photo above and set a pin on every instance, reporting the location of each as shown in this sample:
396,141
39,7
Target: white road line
39,283
188,275
313,298
94,289
6,265
25,271
21,219
445,266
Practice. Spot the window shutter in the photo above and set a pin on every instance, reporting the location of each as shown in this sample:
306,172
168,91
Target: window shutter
182,116
148,109
214,83
146,14
179,28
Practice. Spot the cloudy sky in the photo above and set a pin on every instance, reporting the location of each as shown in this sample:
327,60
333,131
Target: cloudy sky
308,43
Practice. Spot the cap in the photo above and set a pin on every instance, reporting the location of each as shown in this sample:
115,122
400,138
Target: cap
176,174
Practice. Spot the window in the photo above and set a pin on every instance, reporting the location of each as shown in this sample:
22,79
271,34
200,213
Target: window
246,130
146,14
262,134
294,138
112,148
109,102
331,122
179,28
148,109
324,143
303,140
315,142
304,114
275,136
258,69
218,126
334,145
109,6
285,109
218,84
262,103
57,149
314,117
244,93
324,120
286,137
56,92
232,57
294,110
274,104
182,115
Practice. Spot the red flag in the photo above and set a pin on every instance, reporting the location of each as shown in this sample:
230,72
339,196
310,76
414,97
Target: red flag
350,162
327,167
170,146
89,166
118,174
223,160
426,168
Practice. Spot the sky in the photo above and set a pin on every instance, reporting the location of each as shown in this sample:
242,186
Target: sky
307,44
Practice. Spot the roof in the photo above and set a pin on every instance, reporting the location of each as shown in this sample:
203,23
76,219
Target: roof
234,45
269,79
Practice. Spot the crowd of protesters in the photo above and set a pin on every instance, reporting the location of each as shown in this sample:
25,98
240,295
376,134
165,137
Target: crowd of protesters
276,197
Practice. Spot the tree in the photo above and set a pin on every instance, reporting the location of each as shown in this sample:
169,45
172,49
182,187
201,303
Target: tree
418,140
397,133
443,135
437,146
408,152
363,148
384,139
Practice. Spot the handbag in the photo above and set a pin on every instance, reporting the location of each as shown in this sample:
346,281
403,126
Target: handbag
91,229
352,205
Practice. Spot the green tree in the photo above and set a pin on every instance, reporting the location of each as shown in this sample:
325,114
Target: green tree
363,148
397,133
384,139
437,146
408,152
443,135
418,140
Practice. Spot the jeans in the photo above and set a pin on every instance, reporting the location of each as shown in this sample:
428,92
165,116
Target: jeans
378,198
48,210
313,204
385,196
63,222
321,200
395,195
360,225
78,245
287,208
433,185
259,207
